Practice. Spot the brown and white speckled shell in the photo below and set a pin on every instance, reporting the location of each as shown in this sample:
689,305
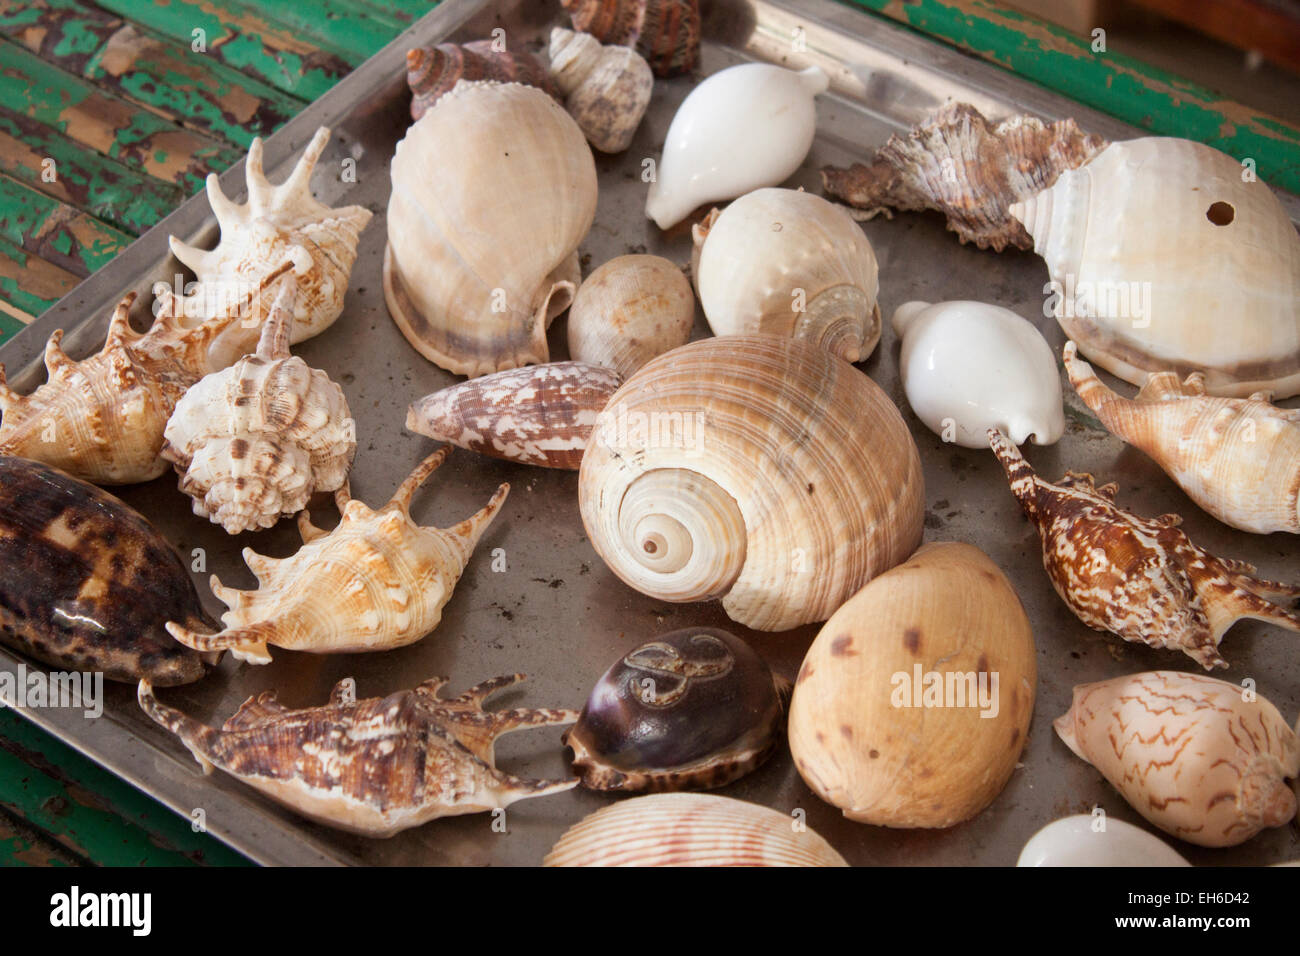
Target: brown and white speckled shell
959,164
690,829
1198,757
1238,458
665,32
376,766
433,71
1140,578
538,415
606,88
376,581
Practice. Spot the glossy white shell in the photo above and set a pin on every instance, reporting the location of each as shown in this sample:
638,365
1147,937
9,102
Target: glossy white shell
743,128
1072,841
970,366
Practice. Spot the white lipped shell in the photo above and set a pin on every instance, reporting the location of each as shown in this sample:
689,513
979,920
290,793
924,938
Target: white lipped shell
690,829
787,262
1163,258
606,88
756,469
970,366
493,189
628,311
1084,840
743,128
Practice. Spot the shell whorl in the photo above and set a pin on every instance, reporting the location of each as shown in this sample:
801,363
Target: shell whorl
607,89
665,32
432,72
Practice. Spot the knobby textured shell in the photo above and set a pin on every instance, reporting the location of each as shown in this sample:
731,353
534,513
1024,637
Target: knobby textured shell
1140,578
665,32
257,440
606,88
628,311
1238,458
376,766
959,164
690,829
758,469
1087,840
277,225
86,582
375,582
540,415
493,190
789,263
1202,759
1151,244
913,703
435,70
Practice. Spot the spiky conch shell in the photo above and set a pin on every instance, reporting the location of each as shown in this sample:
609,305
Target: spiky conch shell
276,224
255,441
1198,757
376,581
434,71
665,32
607,88
493,190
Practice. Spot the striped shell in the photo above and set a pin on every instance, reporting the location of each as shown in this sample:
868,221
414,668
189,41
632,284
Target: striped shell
433,71
606,88
690,829
665,32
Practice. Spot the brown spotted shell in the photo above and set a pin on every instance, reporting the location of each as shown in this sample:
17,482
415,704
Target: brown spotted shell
665,32
435,70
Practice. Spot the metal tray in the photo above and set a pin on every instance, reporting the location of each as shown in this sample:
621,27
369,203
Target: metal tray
557,613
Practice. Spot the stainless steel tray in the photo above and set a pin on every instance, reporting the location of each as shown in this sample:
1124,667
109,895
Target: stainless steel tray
557,613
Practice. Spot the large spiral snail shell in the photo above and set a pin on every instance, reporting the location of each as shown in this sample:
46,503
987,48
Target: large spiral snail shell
758,469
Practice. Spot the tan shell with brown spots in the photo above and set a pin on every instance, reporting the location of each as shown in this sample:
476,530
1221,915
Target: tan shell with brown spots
913,704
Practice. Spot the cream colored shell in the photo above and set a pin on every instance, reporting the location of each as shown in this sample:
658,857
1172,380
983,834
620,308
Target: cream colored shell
913,703
607,88
789,263
493,189
755,469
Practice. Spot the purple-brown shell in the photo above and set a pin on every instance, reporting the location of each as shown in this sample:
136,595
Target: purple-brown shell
433,71
665,32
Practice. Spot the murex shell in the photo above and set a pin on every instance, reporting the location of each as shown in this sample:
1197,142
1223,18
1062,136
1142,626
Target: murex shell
665,32
787,262
539,415
376,581
493,190
753,468
606,88
86,582
435,70
1202,759
255,441
693,708
1087,840
1140,578
376,766
1238,458
690,829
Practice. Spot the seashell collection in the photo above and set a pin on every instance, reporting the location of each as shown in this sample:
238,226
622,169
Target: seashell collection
755,467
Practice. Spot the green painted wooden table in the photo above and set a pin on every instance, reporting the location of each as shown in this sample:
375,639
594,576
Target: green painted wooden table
113,112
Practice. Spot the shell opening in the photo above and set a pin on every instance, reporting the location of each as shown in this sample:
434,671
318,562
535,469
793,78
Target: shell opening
1221,213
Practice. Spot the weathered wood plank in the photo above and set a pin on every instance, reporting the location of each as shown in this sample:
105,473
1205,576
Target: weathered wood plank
405,12
58,233
28,286
337,24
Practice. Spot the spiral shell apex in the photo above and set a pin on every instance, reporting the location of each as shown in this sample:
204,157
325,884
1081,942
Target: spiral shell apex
665,32
433,71
753,468
607,88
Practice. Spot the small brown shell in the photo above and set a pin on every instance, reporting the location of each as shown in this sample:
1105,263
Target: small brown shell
665,32
433,71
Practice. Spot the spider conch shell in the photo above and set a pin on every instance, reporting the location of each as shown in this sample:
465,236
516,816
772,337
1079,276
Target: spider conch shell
1151,244
1140,578
1238,458
376,766
375,582
690,829
607,88
1202,759
493,190
277,224
255,441
753,468
787,262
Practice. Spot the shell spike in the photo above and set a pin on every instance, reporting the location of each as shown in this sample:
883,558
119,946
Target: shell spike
506,721
199,261
308,530
247,643
406,491
119,326
432,686
299,181
57,363
472,528
259,190
274,343
481,692
518,788
227,212
259,564
8,397
198,738
1023,480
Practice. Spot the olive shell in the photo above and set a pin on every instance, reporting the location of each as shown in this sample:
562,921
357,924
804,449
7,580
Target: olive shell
695,708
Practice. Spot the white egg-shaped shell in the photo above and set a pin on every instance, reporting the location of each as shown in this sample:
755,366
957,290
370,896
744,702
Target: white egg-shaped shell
1075,841
743,128
971,366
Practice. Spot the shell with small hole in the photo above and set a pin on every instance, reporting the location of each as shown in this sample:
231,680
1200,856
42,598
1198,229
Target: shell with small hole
1087,839
665,32
493,190
606,88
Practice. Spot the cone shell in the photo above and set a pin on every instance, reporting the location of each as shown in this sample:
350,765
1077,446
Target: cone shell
541,415
433,71
1151,244
755,469
786,262
606,88
1190,753
493,190
690,829
665,32
628,311
865,731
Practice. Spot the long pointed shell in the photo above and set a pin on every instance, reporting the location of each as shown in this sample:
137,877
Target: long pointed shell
1190,753
690,829
1239,459
607,88
665,32
786,262
493,190
433,71
757,469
